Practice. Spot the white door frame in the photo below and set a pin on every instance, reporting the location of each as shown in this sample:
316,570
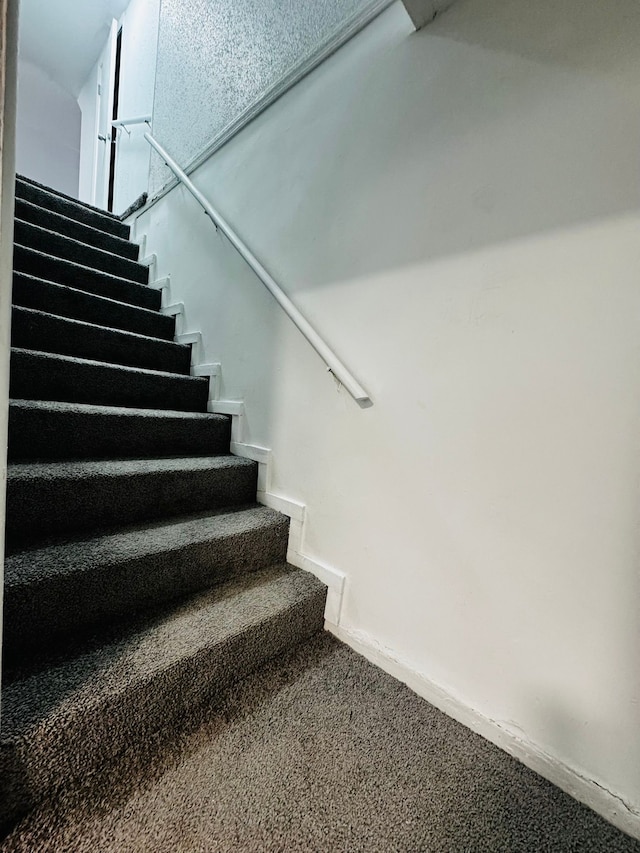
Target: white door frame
104,112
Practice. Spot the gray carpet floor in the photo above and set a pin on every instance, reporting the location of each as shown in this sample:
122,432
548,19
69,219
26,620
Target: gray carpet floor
321,751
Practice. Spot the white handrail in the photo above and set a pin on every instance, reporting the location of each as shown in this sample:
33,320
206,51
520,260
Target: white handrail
123,122
334,365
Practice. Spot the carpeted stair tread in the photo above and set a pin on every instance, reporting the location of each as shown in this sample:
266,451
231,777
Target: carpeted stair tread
46,376
45,332
41,265
98,579
64,301
48,430
67,206
36,215
90,714
59,498
320,751
68,249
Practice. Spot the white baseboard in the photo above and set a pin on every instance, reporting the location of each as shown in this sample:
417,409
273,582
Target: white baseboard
332,578
296,513
163,283
611,806
226,407
173,310
189,338
150,260
208,369
193,338
262,456
211,369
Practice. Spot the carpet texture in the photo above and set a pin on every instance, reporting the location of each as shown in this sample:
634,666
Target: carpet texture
94,715
141,578
31,329
67,207
47,430
321,751
56,498
33,292
101,579
44,376
26,211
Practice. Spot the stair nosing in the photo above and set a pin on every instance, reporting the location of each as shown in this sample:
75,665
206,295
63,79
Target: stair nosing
59,194
55,213
115,329
72,469
87,293
107,255
254,517
82,267
93,362
119,411
156,651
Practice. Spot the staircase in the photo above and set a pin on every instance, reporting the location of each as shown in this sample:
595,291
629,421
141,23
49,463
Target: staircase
141,578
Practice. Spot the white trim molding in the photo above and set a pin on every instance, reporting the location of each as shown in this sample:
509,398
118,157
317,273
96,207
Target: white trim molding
262,456
234,408
214,372
332,578
161,283
149,260
173,310
294,510
611,806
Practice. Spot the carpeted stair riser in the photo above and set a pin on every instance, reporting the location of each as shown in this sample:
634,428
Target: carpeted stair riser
99,580
56,202
28,212
43,376
81,725
63,498
37,330
50,431
41,295
45,266
59,246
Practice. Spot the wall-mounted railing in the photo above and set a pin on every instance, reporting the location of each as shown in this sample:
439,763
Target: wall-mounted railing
334,365
125,122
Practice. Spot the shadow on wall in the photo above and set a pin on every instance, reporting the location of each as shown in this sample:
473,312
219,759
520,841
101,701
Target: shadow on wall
497,121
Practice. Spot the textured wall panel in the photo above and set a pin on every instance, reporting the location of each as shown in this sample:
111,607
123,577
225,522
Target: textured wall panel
218,57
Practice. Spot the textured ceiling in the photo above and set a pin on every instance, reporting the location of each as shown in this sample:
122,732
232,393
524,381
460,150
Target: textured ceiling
64,37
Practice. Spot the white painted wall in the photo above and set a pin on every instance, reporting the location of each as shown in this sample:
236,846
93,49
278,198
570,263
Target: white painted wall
457,210
137,76
48,130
